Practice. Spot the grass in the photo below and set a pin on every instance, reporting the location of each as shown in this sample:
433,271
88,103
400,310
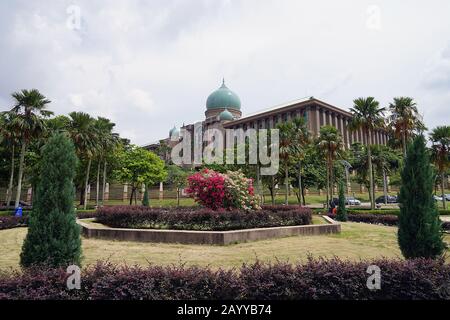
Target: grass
356,241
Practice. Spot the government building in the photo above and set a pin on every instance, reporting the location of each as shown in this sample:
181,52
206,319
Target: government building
223,111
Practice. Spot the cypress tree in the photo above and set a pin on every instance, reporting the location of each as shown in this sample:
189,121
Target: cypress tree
145,200
419,229
341,210
53,237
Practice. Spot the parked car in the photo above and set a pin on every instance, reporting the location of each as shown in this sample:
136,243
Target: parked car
352,201
437,198
447,197
390,199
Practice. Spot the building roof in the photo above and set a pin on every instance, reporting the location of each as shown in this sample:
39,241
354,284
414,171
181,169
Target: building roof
285,107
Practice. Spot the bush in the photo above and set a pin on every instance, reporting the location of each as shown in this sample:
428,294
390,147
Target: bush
140,217
315,279
53,235
13,222
419,228
216,190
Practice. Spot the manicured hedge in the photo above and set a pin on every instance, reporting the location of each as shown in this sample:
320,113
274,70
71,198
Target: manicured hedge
442,212
9,222
202,218
315,279
387,220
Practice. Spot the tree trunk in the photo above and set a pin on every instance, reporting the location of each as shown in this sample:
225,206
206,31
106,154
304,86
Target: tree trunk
369,160
82,195
11,179
272,190
104,183
303,196
178,197
404,143
131,195
86,184
442,190
19,178
286,182
300,187
328,181
97,194
385,186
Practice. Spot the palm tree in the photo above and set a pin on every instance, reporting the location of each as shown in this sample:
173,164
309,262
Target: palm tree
440,138
301,139
287,150
29,112
330,143
84,135
107,141
404,120
8,135
385,160
368,116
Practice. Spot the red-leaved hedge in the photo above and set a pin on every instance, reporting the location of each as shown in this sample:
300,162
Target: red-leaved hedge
384,219
314,279
9,222
202,218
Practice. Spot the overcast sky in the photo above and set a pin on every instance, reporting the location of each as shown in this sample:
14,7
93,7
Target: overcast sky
149,65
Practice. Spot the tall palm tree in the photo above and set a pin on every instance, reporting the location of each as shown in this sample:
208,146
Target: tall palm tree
440,138
404,120
9,137
301,139
84,135
287,150
385,160
30,110
330,143
107,141
368,116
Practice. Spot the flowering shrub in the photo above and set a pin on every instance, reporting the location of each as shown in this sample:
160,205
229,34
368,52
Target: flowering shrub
202,219
216,190
314,279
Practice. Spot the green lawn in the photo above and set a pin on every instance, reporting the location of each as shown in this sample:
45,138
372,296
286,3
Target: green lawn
357,241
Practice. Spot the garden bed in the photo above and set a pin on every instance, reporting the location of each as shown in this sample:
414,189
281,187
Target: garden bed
203,226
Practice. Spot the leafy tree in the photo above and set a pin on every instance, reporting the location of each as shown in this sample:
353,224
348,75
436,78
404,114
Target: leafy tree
419,230
385,161
330,144
440,138
301,138
368,116
28,122
177,177
341,210
404,120
139,166
53,236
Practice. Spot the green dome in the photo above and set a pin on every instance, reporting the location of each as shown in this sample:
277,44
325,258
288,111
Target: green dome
223,98
225,115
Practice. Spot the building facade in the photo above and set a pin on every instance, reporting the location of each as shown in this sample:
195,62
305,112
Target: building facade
223,111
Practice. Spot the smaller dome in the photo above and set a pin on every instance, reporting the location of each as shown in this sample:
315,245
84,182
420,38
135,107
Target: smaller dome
225,115
174,132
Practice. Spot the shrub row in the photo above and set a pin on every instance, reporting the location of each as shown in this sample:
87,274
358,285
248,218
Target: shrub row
314,279
9,222
202,218
442,212
387,220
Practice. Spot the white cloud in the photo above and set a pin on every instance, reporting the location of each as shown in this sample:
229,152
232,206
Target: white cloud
148,65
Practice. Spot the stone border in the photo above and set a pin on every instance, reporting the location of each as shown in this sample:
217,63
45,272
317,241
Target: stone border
206,237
